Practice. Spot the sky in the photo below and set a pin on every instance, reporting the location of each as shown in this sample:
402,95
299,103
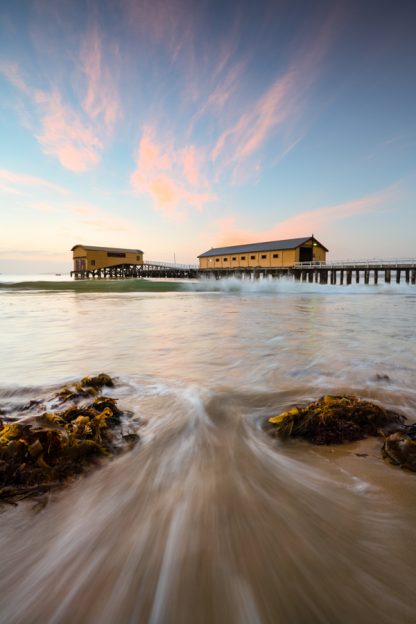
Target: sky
174,126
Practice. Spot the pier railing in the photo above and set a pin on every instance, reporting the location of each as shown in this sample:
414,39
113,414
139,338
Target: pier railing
374,263
171,265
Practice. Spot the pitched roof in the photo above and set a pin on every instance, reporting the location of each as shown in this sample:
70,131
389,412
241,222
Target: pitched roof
114,249
290,243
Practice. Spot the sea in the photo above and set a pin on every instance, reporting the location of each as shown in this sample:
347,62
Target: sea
208,519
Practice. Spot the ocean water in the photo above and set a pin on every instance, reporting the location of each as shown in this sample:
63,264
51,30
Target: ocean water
208,520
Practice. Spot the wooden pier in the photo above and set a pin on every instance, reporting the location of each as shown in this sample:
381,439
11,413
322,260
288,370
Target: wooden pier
148,269
341,273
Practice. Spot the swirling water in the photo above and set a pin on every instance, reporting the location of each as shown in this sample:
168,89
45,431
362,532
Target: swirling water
208,520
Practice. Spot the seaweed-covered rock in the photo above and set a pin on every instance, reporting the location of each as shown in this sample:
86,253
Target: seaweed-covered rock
43,450
334,420
400,448
87,387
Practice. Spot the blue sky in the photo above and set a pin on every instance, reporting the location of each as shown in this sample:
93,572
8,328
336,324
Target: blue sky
174,126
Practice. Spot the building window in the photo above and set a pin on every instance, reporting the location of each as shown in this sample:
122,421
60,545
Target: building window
263,257
217,259
92,262
234,258
115,254
252,257
225,259
275,255
138,258
243,257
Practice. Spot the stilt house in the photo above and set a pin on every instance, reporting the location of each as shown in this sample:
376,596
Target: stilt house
268,255
88,258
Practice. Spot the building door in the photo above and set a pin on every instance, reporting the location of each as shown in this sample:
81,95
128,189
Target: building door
305,254
79,264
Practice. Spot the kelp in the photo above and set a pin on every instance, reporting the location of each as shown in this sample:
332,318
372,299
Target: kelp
46,449
334,420
345,418
88,386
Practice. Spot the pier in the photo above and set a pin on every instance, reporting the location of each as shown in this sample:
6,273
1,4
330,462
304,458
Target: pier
364,271
151,268
341,273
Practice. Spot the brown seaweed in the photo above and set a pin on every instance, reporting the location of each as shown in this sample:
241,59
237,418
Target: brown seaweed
42,451
334,420
87,387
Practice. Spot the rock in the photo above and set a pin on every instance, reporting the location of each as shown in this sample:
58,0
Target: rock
400,449
44,450
334,420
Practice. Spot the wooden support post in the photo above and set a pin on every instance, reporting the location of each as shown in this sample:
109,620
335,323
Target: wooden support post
310,276
413,276
357,276
349,276
323,277
407,274
398,273
375,276
387,276
341,277
366,276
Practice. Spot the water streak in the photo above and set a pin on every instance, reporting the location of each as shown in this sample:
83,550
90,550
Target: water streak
208,520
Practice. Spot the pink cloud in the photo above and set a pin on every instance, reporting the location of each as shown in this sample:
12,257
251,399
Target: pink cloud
13,179
280,110
191,165
64,135
12,73
224,88
314,220
171,177
305,223
75,137
101,98
279,105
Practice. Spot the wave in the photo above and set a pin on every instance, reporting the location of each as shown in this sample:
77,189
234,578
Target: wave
289,286
280,286
94,286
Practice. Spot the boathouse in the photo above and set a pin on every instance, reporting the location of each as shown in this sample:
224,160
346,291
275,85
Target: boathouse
268,255
89,258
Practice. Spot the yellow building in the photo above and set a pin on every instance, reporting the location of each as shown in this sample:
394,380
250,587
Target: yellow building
269,255
89,258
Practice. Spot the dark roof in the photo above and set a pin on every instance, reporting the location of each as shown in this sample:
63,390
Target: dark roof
115,249
290,243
